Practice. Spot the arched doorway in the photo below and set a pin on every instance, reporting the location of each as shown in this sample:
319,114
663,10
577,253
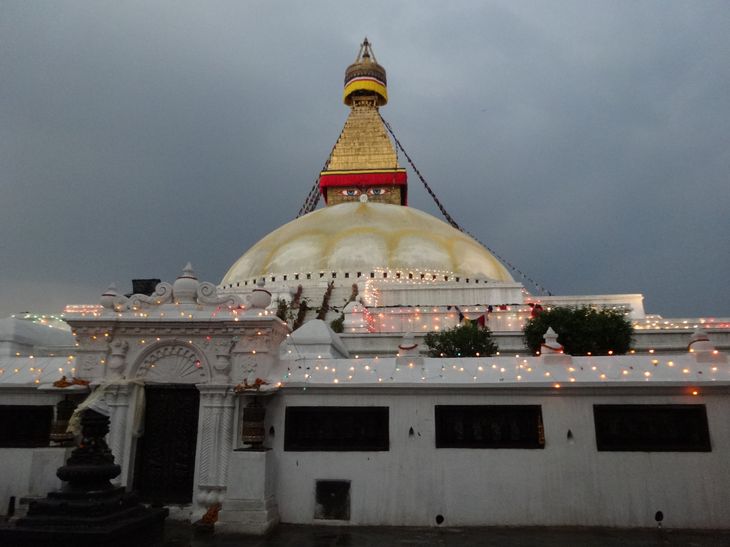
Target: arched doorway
165,462
165,453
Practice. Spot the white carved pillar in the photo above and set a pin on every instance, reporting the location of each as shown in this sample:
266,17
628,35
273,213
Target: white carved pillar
117,398
117,358
215,443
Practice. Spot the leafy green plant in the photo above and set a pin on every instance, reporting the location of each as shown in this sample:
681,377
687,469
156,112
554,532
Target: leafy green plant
301,314
338,325
581,331
282,309
467,340
325,307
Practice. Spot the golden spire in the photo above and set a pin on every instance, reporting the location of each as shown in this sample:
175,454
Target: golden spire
363,165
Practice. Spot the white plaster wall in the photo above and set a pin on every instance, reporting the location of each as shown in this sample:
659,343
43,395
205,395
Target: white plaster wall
450,294
563,484
29,472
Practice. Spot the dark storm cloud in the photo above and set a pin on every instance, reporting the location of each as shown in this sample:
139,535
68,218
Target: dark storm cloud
588,143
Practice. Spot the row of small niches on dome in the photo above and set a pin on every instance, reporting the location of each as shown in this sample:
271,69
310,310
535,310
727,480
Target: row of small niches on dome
618,428
427,277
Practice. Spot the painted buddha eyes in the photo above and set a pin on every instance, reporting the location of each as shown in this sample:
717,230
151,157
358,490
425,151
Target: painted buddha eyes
354,192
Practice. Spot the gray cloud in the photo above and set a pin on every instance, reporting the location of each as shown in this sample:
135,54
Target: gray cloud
586,142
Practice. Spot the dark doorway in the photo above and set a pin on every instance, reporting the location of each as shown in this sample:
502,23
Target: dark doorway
165,462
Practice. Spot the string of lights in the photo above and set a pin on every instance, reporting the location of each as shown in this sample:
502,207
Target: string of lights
453,222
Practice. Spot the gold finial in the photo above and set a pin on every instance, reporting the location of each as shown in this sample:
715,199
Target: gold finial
365,76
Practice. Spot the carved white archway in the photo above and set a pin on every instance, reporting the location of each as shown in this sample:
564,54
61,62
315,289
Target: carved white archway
173,362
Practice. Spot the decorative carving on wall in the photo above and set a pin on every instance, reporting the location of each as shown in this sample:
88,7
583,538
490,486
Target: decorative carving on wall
174,364
222,366
208,294
162,295
89,365
118,352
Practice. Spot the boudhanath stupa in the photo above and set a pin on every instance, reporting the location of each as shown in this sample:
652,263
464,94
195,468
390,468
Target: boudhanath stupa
298,389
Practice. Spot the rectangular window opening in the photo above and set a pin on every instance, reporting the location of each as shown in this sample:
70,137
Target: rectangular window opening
336,429
332,500
25,426
652,428
489,426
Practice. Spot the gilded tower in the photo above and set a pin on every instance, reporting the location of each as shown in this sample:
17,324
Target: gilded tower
363,165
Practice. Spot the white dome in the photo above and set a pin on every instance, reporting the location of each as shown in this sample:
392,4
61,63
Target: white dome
362,237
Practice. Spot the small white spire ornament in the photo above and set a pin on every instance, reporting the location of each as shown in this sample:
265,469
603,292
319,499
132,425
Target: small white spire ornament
703,349
259,299
552,352
185,287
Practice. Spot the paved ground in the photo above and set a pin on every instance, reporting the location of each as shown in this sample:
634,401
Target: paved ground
181,535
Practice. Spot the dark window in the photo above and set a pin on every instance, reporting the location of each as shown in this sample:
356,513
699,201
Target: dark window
652,428
336,428
489,426
332,500
25,426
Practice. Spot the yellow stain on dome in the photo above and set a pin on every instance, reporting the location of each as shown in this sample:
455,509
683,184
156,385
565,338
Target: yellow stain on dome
364,237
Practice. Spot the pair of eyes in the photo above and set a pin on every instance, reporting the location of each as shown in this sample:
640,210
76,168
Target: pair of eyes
371,191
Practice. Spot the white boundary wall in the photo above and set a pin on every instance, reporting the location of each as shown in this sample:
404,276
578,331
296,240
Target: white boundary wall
566,483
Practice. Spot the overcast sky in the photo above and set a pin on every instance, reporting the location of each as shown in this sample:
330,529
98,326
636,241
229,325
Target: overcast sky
586,142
